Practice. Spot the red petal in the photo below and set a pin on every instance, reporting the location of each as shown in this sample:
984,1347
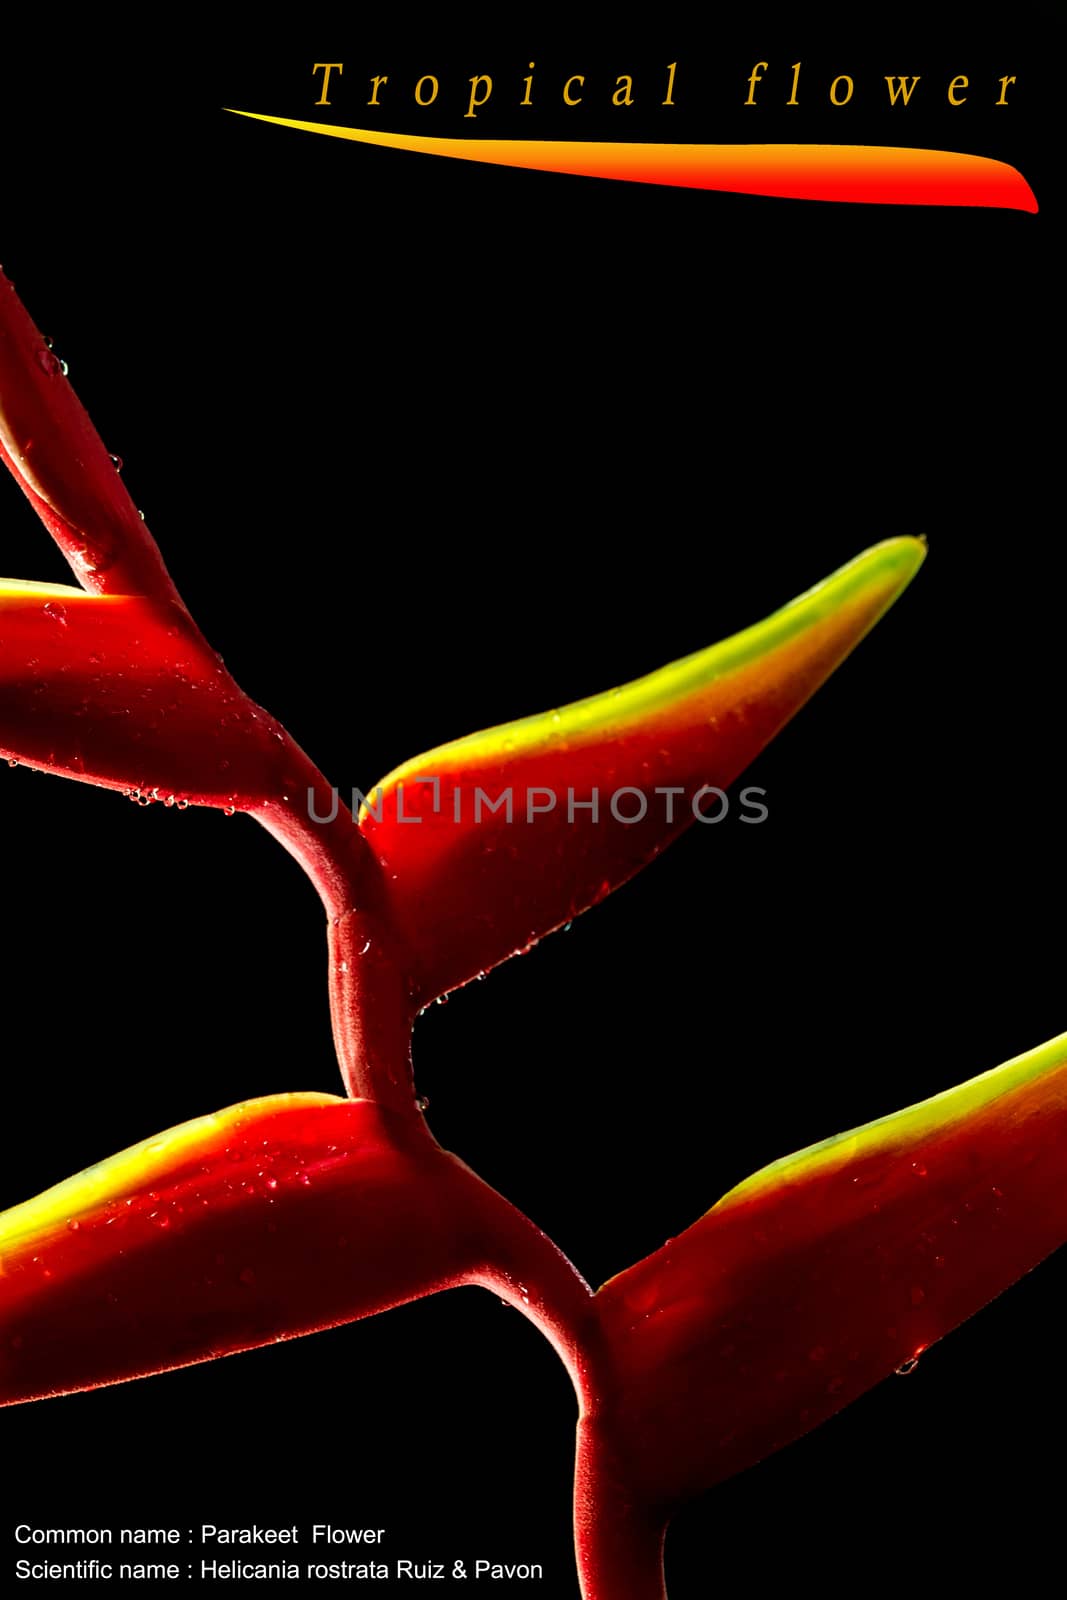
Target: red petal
269,1220
471,886
820,1275
122,692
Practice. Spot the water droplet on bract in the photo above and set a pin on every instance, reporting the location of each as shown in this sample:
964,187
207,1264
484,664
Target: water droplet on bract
182,804
73,1224
159,1219
422,1103
228,811
64,369
116,462
567,926
141,515
366,947
556,717
919,1169
442,1000
906,1368
56,612
11,761
49,363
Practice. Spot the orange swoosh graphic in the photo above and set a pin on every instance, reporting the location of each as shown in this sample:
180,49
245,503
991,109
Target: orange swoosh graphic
873,174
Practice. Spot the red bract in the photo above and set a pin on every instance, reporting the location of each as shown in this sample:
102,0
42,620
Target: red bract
802,1288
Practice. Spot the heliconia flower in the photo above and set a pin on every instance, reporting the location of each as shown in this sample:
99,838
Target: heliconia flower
803,1287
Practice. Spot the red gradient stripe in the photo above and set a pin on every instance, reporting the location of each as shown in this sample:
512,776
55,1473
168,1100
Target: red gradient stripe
871,174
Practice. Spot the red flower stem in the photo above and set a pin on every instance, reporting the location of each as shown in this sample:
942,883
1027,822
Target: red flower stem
334,854
618,1540
370,980
372,1010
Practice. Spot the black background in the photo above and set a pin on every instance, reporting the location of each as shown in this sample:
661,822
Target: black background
428,446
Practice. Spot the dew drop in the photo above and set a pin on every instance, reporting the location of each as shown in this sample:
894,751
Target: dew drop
182,804
919,1169
906,1368
442,1000
73,1224
11,761
422,1103
116,462
57,613
49,363
228,811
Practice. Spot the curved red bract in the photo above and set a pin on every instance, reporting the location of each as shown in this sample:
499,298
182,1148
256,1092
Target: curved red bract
274,1218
